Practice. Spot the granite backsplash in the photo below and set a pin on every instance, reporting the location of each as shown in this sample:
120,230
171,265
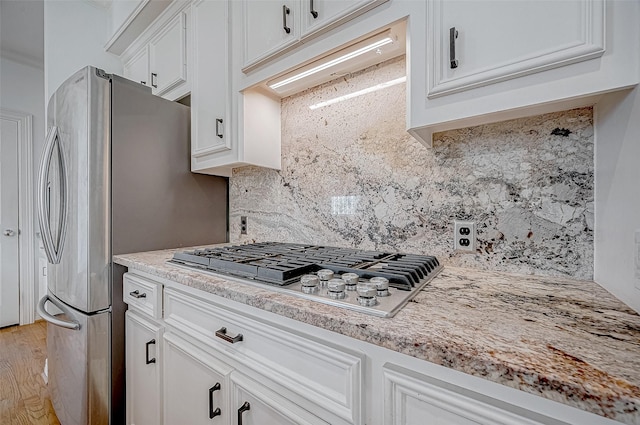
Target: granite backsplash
352,176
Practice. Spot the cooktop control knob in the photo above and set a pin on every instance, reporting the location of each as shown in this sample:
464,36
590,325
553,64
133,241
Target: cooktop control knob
350,280
367,294
336,288
325,275
382,285
310,283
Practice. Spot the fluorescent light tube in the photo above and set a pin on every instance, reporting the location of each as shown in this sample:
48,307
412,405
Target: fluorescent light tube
359,93
340,59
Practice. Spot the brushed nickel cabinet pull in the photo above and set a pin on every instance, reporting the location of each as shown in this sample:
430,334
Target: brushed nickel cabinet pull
137,294
285,12
222,333
213,412
147,359
218,126
246,406
453,34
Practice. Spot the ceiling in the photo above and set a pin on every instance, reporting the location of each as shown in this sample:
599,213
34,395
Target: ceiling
22,31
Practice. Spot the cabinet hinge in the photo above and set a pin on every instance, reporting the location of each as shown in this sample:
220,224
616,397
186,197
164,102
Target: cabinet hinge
100,73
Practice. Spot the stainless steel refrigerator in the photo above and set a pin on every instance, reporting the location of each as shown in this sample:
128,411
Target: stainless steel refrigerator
115,178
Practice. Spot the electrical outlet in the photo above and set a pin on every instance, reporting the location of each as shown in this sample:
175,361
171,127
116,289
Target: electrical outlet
243,225
464,236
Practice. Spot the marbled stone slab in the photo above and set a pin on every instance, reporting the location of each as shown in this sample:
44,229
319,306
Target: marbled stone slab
562,339
352,176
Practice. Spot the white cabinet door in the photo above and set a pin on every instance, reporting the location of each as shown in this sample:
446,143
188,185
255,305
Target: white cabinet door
412,399
137,68
254,404
210,85
168,58
269,27
319,14
143,371
500,40
195,385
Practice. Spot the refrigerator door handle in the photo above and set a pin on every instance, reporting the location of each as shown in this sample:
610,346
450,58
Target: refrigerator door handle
69,324
53,251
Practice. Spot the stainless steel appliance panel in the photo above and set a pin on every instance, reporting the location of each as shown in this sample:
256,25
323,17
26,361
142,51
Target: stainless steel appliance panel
78,191
157,202
78,362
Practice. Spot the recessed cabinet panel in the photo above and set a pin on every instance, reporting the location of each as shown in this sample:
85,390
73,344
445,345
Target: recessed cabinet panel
269,27
492,41
195,385
254,404
317,14
143,357
329,376
413,399
167,51
210,87
137,68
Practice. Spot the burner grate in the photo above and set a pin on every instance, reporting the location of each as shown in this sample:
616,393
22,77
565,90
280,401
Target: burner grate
284,263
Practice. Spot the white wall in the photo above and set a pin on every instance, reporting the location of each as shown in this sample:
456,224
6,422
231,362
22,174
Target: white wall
75,33
617,194
22,90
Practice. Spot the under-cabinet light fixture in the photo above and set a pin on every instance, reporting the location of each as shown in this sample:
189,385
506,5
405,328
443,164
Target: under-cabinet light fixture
359,93
348,53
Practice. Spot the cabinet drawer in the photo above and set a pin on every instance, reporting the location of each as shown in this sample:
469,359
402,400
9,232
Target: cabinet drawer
143,295
325,374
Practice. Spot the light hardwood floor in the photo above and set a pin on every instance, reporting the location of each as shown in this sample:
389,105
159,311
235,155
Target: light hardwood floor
24,399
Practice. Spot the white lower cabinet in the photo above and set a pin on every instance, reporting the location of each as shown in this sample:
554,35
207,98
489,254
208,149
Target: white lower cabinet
199,388
254,404
143,339
196,385
415,399
210,360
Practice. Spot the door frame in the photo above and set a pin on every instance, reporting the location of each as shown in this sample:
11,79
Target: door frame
26,236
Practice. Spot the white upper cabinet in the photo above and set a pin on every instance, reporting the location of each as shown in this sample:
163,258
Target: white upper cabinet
319,14
500,40
489,61
160,57
168,55
210,97
269,27
137,68
274,27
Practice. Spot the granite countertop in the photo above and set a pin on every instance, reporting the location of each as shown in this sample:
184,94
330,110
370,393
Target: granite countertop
562,339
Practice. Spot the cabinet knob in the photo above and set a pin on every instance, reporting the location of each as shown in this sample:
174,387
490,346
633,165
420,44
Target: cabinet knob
9,232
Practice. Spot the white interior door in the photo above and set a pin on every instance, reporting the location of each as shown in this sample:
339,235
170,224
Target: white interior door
9,258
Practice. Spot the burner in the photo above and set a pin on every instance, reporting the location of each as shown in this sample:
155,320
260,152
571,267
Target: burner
306,269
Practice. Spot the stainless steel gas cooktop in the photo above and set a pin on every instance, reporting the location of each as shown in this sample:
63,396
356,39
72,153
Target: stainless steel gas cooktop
372,282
